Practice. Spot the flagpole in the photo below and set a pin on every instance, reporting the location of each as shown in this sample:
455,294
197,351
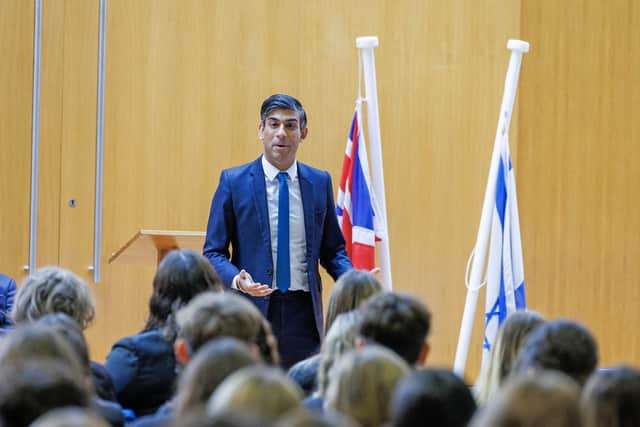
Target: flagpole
366,46
517,47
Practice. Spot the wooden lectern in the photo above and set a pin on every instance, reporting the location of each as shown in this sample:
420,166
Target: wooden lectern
150,246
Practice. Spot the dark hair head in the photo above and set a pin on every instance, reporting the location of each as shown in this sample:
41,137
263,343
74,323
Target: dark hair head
559,345
436,395
32,388
207,369
351,289
38,343
611,398
397,321
181,275
280,101
70,330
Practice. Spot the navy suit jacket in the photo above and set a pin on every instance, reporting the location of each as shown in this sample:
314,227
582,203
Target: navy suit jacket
239,218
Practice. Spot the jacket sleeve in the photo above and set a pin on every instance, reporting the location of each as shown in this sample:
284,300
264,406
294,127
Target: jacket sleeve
221,232
333,256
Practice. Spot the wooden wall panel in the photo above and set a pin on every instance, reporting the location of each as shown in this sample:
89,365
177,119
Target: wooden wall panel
16,72
578,167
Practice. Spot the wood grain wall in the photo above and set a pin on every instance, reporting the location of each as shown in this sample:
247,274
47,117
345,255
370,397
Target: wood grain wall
184,81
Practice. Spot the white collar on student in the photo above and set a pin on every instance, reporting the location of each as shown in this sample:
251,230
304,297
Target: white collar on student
272,172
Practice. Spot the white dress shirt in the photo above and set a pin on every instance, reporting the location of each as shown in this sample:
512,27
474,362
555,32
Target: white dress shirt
297,237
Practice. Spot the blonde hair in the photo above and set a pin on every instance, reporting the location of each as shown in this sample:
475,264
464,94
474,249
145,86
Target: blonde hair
258,391
362,384
54,290
340,339
511,335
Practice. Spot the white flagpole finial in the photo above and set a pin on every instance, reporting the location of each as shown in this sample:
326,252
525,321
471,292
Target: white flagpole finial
519,45
366,42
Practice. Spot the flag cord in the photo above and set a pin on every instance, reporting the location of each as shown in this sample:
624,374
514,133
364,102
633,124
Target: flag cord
468,271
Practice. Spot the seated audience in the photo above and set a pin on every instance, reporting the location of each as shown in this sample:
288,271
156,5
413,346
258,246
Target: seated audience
67,328
7,294
559,345
262,392
143,366
611,398
40,371
399,322
510,338
207,370
56,290
213,315
350,290
433,397
340,339
362,383
546,399
33,388
70,417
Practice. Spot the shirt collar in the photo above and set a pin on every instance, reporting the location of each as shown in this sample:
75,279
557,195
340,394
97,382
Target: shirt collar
272,172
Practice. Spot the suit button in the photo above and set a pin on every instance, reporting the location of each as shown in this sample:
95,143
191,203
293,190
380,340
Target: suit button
270,272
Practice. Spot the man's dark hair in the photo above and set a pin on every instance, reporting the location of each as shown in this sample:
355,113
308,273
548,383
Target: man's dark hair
398,322
559,345
281,101
436,395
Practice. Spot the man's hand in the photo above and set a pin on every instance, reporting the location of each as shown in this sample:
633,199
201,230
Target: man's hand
246,284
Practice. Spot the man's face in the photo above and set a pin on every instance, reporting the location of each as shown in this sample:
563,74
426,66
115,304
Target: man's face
280,133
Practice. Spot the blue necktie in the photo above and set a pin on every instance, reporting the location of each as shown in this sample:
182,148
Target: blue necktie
283,264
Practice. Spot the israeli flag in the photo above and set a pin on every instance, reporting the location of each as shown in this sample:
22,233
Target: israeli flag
505,269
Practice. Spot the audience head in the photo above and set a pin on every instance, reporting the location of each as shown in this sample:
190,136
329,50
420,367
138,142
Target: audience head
282,102
305,374
69,329
398,322
70,417
302,417
560,345
259,391
350,290
207,369
546,399
37,343
611,398
213,315
438,396
510,338
33,388
198,417
53,290
362,383
181,275
267,344
340,339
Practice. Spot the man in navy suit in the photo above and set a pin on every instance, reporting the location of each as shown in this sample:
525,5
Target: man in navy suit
278,216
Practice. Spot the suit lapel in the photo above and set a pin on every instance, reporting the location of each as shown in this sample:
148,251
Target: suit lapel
260,200
306,193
